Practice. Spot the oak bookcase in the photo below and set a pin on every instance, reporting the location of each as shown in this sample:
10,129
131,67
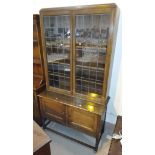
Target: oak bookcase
78,46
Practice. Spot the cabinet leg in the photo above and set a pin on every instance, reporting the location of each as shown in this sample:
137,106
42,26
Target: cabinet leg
95,149
103,127
97,143
43,123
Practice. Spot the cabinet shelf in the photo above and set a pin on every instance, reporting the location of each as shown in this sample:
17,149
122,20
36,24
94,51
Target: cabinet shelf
89,81
92,46
88,67
58,58
57,44
59,75
54,27
58,63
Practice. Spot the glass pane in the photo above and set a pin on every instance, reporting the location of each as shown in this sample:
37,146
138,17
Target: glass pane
91,45
57,44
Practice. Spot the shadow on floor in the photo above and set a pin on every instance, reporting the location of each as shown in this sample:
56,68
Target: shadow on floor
63,146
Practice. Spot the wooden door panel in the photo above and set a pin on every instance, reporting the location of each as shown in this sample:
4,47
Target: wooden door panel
82,119
54,110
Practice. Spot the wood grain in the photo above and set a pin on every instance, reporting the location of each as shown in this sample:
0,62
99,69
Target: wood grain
40,138
38,70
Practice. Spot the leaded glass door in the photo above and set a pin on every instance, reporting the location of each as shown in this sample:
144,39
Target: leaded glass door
57,37
91,41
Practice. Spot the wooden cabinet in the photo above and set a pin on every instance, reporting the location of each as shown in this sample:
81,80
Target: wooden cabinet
78,46
38,71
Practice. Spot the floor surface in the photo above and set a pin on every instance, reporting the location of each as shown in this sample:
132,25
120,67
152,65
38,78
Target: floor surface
62,146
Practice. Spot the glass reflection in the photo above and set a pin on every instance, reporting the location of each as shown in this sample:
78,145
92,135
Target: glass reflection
57,42
90,106
91,45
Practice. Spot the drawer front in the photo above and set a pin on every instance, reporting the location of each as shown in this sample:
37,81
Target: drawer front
82,120
54,110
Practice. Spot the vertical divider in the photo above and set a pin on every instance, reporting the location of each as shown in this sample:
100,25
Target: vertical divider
73,52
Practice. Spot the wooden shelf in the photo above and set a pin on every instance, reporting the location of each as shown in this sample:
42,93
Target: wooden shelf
91,46
57,44
60,75
54,27
61,63
90,81
93,68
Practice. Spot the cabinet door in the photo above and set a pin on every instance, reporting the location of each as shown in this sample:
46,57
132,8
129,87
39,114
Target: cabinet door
82,120
54,110
56,32
91,40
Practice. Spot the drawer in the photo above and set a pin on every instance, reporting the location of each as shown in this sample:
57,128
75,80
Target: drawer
82,120
54,110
